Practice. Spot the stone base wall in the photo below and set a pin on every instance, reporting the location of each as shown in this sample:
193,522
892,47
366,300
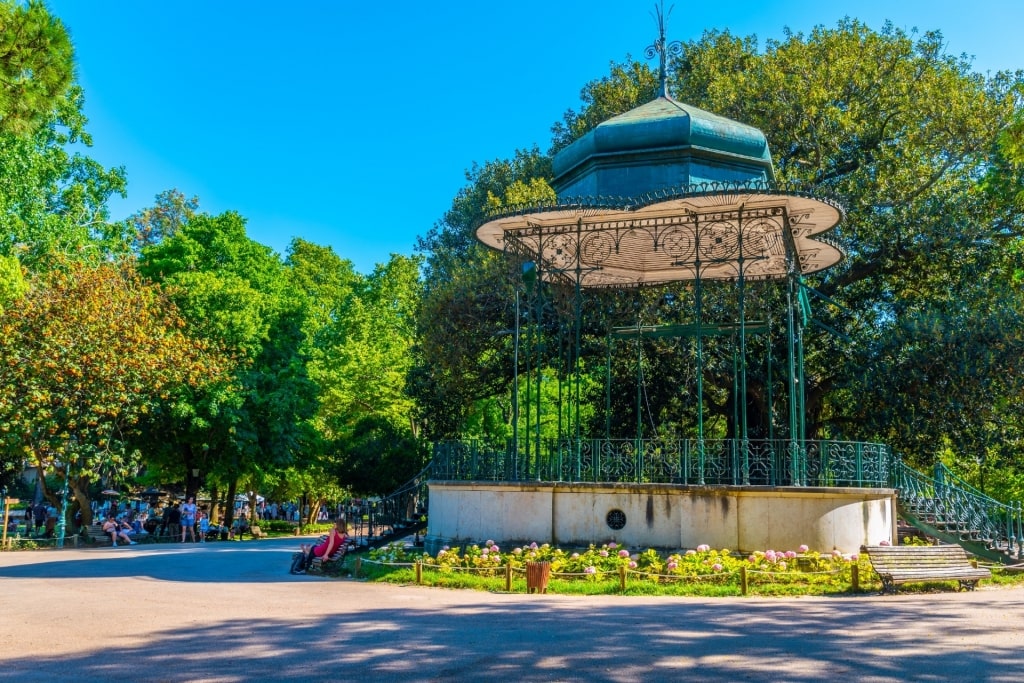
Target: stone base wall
663,516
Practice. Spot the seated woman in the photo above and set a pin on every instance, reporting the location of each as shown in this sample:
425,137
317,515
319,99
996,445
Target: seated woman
239,527
336,539
113,527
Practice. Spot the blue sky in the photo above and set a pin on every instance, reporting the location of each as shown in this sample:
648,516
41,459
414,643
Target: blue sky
352,124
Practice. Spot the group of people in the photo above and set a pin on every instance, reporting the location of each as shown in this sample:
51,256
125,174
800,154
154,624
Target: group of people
41,519
192,520
190,517
118,530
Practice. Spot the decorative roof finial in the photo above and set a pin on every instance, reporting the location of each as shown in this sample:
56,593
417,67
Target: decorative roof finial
663,49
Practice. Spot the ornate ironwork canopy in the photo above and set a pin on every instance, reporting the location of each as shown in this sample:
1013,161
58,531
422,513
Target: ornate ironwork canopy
708,232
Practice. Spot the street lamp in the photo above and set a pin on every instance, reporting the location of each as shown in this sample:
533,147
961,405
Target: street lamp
62,521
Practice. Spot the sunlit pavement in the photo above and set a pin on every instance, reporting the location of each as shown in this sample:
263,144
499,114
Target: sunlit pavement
230,611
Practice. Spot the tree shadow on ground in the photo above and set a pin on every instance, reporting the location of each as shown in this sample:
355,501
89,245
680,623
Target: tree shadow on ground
554,639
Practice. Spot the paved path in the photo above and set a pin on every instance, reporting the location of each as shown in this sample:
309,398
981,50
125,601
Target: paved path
231,612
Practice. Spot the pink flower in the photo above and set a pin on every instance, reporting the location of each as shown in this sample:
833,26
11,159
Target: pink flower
803,549
884,543
752,559
672,565
441,552
533,546
590,570
574,556
623,553
612,545
488,543
485,551
790,554
632,565
603,553
703,548
854,557
495,549
691,552
717,567
782,565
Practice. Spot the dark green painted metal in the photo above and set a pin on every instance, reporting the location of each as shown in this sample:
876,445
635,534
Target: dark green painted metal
669,461
689,330
948,508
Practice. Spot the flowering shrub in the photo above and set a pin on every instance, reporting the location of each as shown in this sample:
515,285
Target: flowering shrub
771,570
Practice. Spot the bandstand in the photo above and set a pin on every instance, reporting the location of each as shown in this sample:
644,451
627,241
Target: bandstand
676,199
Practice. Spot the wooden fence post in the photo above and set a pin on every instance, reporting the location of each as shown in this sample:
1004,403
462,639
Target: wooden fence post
508,578
743,580
419,573
359,566
622,578
855,577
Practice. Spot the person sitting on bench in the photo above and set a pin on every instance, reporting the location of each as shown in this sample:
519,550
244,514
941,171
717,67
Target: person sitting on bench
240,527
336,539
113,527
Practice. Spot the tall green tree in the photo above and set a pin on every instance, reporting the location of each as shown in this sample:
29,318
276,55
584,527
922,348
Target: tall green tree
36,66
171,211
53,198
464,353
233,293
85,355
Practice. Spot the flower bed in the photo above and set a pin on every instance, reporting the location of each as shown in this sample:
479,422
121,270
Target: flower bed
610,567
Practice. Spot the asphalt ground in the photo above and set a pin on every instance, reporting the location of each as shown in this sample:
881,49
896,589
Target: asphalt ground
230,611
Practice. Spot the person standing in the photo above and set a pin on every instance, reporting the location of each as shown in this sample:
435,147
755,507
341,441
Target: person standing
188,519
172,520
204,526
51,520
39,515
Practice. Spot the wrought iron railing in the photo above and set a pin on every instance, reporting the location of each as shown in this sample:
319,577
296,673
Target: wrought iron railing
377,519
669,461
952,507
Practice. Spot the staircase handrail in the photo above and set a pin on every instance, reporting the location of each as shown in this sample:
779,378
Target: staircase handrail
1002,522
943,473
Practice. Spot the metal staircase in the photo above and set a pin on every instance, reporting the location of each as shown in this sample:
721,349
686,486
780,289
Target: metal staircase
948,508
377,521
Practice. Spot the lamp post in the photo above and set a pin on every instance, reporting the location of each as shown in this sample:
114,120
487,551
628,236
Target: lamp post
62,521
515,394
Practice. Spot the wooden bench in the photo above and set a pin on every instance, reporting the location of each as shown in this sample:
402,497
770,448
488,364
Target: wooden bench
897,564
320,565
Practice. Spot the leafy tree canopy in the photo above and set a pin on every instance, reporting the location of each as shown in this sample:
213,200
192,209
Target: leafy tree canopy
36,66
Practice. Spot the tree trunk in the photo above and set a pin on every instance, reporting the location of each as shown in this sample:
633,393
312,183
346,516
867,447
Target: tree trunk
214,505
314,511
229,507
80,488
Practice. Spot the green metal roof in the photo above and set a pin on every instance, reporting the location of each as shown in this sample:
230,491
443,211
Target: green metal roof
658,145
